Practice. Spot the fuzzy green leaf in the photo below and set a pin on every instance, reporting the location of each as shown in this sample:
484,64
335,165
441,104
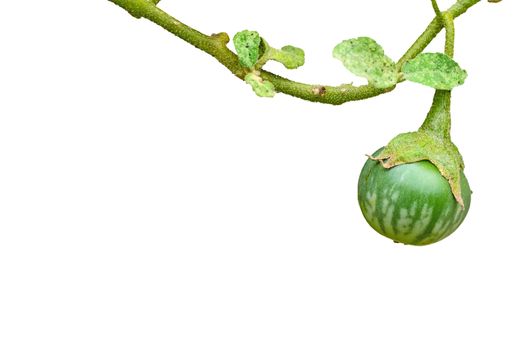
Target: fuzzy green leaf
436,70
424,145
290,56
247,46
261,87
365,58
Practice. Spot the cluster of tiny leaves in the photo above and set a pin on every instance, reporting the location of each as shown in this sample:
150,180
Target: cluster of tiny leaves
253,52
425,145
365,58
436,70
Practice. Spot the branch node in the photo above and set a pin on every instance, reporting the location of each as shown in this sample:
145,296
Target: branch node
319,90
222,38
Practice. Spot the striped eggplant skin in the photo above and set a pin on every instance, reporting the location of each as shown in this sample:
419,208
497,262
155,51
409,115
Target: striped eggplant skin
410,203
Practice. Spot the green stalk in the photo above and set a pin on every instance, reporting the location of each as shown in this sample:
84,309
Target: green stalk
432,30
438,120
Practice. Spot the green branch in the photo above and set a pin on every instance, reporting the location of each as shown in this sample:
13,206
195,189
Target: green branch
216,46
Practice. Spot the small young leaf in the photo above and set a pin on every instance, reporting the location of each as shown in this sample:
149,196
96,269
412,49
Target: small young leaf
247,46
436,70
365,58
290,56
261,87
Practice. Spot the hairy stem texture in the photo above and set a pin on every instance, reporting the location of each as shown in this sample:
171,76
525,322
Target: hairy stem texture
216,46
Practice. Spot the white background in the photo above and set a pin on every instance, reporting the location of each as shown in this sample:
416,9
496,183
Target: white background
148,200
